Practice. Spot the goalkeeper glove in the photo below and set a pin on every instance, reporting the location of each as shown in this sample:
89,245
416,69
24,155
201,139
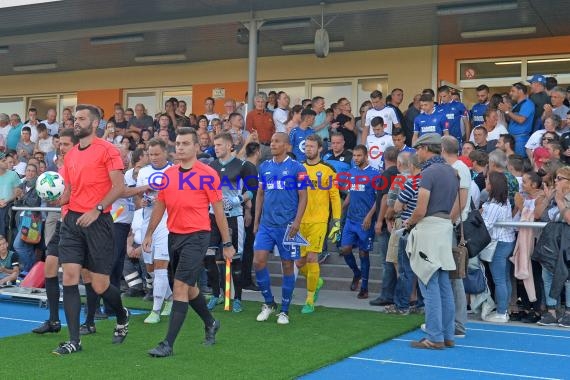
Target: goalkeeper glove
334,234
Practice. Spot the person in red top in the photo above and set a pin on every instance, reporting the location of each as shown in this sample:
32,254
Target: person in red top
94,180
260,120
66,141
186,191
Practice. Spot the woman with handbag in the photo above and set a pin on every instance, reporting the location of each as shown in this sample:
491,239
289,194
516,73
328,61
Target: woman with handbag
29,223
498,208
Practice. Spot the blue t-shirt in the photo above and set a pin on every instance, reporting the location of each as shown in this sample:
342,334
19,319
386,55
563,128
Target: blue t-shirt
362,195
297,139
319,119
453,112
434,122
13,137
477,113
280,182
8,182
524,108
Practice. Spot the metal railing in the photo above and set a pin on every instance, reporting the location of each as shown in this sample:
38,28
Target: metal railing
522,224
48,209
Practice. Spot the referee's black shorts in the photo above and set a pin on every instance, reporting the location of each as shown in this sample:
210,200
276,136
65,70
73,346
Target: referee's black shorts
92,247
52,248
187,252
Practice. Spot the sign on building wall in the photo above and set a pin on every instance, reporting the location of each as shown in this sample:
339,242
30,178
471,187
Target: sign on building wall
219,93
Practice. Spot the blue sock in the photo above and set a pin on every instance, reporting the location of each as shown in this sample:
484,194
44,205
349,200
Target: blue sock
351,262
365,265
287,292
264,283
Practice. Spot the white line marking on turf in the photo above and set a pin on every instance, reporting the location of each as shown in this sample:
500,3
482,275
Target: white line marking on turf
521,333
499,349
453,368
24,320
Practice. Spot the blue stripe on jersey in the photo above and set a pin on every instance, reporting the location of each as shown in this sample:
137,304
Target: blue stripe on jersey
453,112
297,138
430,123
477,113
362,195
280,182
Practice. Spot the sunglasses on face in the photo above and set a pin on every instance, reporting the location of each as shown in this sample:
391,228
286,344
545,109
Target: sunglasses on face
549,139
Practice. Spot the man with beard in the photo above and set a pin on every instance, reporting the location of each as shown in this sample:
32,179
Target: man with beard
94,180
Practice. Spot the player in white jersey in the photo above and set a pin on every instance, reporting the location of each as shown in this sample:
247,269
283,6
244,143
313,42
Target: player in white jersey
157,260
379,108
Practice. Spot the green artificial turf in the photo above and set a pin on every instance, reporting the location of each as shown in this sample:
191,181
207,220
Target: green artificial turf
245,348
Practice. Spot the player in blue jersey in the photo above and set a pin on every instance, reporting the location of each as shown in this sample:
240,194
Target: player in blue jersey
429,120
455,112
299,134
479,109
281,202
360,205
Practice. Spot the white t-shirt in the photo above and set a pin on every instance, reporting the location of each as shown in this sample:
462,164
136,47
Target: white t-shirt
53,129
137,227
280,116
148,175
4,131
535,139
493,135
387,114
128,204
45,145
376,147
211,117
464,183
34,134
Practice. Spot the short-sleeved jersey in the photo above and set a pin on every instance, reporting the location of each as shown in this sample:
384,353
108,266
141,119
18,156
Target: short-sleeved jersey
387,114
376,147
297,138
280,182
477,113
10,261
64,208
8,182
87,172
322,193
149,175
434,122
188,196
341,163
362,194
236,177
453,112
127,205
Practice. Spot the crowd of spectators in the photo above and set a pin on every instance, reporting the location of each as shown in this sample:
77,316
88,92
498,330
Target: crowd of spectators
510,151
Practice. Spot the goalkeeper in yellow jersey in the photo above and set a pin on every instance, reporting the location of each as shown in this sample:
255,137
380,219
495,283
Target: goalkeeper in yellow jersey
323,195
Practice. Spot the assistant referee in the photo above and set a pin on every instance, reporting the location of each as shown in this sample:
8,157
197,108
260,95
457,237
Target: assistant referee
186,192
93,173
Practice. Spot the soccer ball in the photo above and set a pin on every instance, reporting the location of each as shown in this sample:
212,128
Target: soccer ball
50,186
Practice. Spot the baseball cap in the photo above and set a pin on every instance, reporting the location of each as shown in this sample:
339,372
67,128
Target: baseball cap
537,78
428,139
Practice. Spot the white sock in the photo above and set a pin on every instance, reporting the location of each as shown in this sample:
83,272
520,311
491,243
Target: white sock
160,288
168,295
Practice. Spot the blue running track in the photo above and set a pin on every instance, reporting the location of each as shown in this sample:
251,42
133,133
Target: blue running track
21,317
488,352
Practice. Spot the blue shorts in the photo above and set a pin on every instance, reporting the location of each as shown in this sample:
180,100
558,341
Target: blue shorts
269,237
353,235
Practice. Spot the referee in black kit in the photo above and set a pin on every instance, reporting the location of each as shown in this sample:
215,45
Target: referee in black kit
93,173
186,192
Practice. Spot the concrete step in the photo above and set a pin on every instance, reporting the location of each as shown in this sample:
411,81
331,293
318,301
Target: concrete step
331,283
335,258
331,270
